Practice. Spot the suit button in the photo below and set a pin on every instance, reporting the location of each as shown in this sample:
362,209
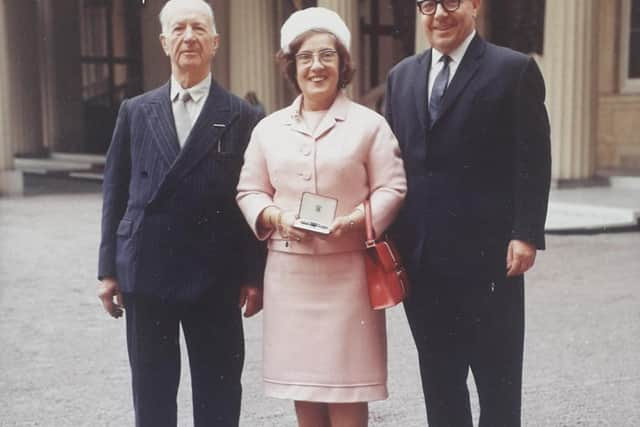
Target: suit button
430,173
305,150
305,175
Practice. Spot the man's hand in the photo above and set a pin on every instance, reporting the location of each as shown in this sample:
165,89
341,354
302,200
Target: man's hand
251,299
108,290
520,257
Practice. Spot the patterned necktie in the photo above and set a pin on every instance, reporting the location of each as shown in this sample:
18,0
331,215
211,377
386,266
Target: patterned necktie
183,120
439,88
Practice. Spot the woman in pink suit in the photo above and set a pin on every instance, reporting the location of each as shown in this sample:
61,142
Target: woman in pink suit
324,347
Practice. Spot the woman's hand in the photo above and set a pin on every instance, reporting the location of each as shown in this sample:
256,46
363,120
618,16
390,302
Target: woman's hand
282,221
352,223
274,218
286,229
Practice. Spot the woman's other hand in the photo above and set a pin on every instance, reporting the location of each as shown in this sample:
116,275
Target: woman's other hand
352,223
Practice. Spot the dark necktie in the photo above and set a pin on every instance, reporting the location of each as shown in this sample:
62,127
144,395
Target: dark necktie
439,88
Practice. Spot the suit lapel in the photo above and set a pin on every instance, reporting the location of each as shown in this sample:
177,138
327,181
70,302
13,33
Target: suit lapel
211,124
160,119
213,121
466,70
421,78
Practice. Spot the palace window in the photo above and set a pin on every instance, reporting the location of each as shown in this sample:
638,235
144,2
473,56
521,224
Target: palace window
111,64
630,46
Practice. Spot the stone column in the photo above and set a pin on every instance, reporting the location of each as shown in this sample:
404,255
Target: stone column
10,179
569,66
253,43
61,77
20,116
348,11
25,116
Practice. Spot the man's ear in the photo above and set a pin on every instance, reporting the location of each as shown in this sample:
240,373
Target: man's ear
476,5
216,42
164,44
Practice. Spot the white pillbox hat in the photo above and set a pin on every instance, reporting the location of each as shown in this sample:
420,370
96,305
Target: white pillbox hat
313,18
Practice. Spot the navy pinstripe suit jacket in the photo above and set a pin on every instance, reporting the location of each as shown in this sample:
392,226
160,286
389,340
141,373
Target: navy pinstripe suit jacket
170,224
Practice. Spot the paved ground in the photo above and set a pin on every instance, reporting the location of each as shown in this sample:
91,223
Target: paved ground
63,361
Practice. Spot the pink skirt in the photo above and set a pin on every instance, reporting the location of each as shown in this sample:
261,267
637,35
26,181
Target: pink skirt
322,340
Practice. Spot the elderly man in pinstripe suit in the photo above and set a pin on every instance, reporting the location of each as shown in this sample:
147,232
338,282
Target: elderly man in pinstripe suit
175,249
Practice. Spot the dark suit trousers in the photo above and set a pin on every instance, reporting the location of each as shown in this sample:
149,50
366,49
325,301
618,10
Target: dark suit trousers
215,344
461,324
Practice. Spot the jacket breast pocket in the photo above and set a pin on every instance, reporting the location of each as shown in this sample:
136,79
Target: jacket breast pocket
225,148
124,228
225,155
225,171
228,160
490,118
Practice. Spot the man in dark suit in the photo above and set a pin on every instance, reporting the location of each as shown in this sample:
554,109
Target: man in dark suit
474,132
175,248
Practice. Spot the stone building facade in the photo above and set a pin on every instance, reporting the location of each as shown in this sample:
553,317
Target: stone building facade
65,66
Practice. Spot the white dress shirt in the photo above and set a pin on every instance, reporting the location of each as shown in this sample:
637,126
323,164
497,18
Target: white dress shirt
456,57
198,93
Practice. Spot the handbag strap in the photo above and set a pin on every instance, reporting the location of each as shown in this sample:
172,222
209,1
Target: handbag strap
371,235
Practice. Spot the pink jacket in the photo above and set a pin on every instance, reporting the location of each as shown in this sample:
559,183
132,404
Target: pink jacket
350,156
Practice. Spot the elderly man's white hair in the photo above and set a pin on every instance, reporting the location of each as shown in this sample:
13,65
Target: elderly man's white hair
197,5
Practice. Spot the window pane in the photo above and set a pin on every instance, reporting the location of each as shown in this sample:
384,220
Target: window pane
635,14
93,27
95,82
634,41
119,31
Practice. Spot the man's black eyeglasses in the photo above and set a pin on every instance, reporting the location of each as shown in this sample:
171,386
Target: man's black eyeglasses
429,7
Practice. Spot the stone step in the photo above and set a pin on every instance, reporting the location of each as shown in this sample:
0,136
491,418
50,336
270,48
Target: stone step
80,166
95,159
575,217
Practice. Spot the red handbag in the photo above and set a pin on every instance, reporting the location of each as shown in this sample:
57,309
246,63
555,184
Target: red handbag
386,277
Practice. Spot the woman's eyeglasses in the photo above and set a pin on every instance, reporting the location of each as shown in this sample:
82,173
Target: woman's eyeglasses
325,56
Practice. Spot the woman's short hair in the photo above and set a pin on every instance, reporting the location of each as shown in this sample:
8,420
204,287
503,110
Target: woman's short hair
287,61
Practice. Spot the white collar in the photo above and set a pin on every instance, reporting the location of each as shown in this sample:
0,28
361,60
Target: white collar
457,54
197,91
